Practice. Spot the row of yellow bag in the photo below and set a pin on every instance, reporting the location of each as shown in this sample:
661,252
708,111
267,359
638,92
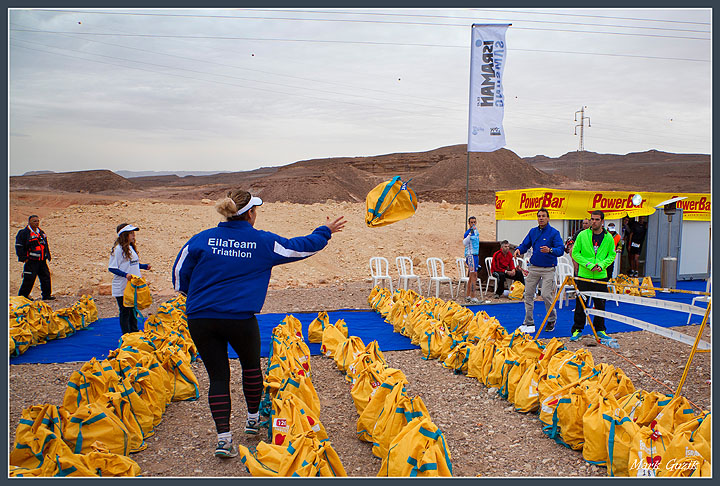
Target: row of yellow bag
34,322
111,406
399,427
298,442
566,388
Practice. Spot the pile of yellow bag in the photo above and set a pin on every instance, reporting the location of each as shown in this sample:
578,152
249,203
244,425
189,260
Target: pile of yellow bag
582,405
398,426
111,406
298,443
622,284
34,322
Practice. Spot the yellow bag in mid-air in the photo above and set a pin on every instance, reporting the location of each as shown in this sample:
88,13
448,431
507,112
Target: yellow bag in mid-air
389,202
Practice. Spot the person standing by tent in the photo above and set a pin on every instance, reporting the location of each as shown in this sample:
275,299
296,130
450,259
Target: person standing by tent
124,264
471,240
224,272
594,251
638,230
547,246
32,248
617,239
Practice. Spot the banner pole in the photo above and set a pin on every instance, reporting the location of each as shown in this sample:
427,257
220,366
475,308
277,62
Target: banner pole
467,189
693,350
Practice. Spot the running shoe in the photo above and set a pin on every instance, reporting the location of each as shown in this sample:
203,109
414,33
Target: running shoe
527,329
575,335
252,427
225,449
608,341
550,326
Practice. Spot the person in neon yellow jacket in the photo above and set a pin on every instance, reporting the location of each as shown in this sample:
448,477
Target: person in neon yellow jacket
594,251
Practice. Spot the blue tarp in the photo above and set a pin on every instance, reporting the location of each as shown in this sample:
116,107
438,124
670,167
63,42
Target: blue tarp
103,335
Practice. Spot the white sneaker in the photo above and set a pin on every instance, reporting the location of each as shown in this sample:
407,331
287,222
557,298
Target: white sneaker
527,329
474,301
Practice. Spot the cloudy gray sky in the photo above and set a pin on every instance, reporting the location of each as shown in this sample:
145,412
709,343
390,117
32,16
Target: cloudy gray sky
238,89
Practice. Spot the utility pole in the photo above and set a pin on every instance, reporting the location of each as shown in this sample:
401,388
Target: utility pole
582,125
581,148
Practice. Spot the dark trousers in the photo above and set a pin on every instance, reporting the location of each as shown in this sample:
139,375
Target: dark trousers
599,304
502,276
32,269
128,320
211,337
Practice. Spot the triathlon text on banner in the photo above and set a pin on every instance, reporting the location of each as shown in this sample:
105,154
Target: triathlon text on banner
564,204
487,100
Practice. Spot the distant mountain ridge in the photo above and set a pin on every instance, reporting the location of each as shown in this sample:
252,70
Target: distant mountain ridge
435,175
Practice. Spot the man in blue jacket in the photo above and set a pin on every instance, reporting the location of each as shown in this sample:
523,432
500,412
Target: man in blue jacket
547,246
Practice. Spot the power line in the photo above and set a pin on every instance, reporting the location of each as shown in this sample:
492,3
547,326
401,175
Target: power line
332,42
598,16
382,107
154,14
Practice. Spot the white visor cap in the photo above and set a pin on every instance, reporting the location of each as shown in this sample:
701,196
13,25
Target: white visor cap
128,227
254,201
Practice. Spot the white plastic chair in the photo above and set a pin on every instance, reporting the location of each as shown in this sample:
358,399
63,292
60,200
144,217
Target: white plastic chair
379,268
488,263
520,263
702,298
405,270
462,275
561,271
436,269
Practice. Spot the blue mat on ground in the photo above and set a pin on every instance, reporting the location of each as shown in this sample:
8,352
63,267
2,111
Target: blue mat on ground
103,336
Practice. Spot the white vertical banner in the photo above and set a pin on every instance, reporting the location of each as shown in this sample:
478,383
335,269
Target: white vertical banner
487,99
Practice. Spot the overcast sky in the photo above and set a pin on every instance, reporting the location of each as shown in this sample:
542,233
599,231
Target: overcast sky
239,89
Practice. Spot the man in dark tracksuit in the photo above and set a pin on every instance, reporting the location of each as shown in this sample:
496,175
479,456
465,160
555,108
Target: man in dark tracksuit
32,247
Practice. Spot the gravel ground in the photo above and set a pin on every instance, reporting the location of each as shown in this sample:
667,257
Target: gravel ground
484,435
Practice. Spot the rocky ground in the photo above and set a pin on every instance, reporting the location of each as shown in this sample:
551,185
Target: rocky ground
484,435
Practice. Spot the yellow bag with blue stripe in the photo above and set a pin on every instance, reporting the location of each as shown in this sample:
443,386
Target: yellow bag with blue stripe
517,290
137,294
39,435
347,351
399,410
331,339
317,326
389,202
368,417
97,422
292,417
418,450
304,456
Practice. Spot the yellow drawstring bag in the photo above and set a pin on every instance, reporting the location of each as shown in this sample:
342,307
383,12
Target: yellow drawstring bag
389,202
304,456
648,450
567,420
316,327
364,385
96,422
39,435
431,340
342,326
596,429
303,388
457,359
291,418
621,431
20,339
677,412
643,407
293,324
332,337
517,290
347,351
647,287
399,410
137,294
120,406
418,450
527,398
183,382
368,417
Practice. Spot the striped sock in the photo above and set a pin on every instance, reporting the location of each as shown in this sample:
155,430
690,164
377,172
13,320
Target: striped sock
252,388
220,410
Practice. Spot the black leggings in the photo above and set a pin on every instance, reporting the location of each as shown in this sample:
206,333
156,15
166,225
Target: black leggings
211,337
128,320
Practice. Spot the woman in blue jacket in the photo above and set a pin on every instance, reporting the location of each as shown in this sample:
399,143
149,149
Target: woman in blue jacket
224,272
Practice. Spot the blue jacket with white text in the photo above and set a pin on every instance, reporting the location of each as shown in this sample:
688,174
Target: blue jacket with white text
225,271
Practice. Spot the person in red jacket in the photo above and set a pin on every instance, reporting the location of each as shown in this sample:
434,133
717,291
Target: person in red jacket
503,267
